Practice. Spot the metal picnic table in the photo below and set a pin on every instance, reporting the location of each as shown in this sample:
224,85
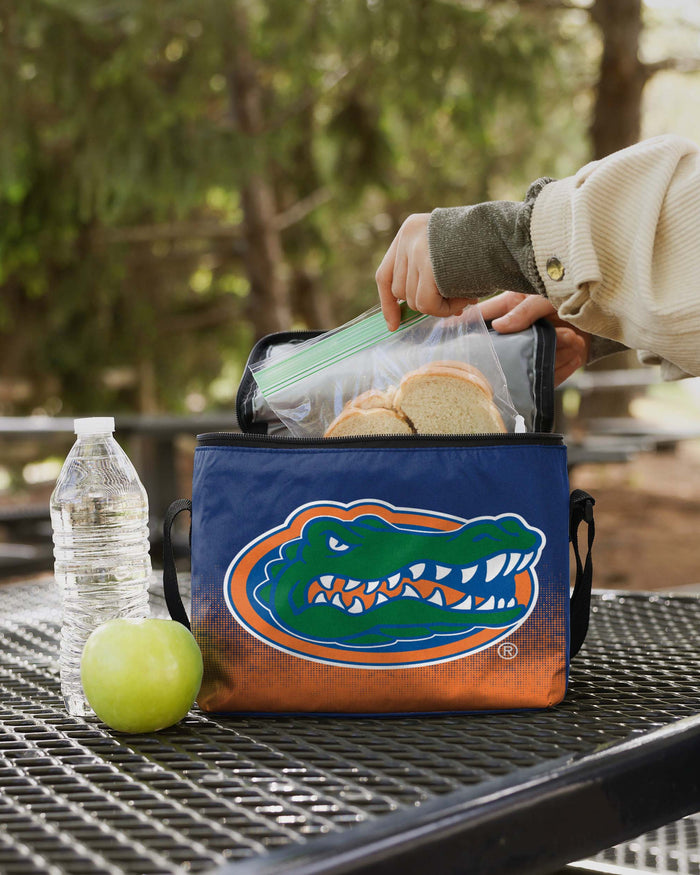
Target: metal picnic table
515,793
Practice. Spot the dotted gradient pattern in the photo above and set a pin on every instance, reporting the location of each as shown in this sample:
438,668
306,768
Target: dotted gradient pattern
78,798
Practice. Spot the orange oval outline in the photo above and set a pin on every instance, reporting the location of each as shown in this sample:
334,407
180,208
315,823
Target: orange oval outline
245,560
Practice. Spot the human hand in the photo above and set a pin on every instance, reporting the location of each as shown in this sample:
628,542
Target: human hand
406,274
513,311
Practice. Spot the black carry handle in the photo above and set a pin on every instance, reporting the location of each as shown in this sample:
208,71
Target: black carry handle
580,511
170,588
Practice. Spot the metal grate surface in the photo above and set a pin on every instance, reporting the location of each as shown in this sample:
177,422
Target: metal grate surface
672,850
77,798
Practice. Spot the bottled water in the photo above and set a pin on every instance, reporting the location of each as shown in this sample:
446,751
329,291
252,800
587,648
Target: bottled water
99,514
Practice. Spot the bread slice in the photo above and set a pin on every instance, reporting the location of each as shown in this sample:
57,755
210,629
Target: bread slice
447,401
441,397
458,368
375,421
374,398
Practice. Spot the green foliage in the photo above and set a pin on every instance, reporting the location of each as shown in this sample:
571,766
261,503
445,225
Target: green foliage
122,160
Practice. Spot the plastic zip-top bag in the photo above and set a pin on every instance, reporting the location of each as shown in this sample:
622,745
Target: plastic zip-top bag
431,375
527,359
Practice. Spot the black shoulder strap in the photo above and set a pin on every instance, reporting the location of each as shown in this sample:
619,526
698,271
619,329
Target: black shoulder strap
580,510
170,588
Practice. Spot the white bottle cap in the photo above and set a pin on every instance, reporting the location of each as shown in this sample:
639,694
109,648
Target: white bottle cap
94,425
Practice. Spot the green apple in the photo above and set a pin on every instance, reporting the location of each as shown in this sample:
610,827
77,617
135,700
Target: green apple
141,675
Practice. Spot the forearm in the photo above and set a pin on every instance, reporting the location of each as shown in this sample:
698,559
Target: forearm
615,248
483,249
478,250
626,232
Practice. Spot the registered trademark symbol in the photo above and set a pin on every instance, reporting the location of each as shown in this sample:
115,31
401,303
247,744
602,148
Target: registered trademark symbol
507,650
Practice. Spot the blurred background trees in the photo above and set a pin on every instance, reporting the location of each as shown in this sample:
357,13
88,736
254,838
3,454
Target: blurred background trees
179,178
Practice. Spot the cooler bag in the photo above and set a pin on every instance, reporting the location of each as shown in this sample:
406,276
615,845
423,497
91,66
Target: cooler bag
387,575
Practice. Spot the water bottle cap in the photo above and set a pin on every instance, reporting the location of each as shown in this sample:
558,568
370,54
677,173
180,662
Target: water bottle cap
94,425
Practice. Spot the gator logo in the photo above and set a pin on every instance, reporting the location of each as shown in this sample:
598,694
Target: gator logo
371,585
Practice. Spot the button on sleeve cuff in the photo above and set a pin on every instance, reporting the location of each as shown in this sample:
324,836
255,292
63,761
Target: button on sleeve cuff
550,230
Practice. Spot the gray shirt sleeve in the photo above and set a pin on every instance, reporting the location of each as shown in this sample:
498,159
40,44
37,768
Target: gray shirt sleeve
485,248
479,250
601,347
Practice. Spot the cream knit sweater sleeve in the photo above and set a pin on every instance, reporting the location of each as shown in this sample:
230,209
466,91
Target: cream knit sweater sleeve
618,248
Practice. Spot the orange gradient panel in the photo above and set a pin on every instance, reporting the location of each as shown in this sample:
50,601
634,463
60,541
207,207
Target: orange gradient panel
244,674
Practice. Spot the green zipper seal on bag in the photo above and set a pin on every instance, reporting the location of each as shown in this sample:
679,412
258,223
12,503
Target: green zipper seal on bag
318,354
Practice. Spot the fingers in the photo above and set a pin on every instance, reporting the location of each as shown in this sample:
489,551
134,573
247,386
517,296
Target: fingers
565,365
563,371
513,311
517,311
384,278
500,304
402,283
410,288
572,352
450,306
406,274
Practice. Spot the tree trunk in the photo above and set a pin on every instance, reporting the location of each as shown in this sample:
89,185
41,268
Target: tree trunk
616,123
311,304
263,256
617,112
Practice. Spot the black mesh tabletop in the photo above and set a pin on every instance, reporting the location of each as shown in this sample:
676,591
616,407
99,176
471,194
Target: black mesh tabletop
311,794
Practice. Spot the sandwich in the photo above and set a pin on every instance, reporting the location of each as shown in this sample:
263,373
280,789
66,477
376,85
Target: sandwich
443,397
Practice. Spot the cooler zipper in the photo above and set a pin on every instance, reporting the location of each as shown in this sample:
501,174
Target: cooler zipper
234,439
248,388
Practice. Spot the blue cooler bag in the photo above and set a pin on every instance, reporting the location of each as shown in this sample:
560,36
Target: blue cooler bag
398,574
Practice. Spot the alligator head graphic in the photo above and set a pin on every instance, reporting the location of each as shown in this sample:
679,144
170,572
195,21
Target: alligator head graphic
369,575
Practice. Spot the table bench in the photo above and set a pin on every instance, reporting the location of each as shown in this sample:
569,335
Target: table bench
151,442
28,546
255,795
151,439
